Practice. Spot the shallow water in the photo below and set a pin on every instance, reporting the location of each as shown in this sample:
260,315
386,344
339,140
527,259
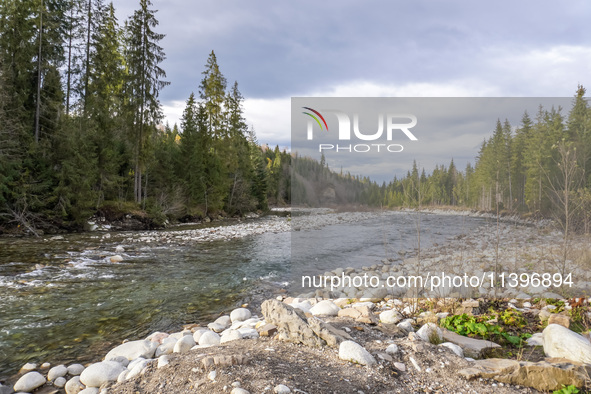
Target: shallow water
62,300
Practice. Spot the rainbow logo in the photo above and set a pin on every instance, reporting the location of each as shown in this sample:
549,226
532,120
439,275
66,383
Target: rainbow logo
315,118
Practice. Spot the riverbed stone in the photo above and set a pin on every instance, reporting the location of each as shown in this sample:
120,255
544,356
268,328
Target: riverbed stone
28,367
209,338
184,344
230,335
361,314
133,349
472,347
430,333
454,348
563,320
74,386
281,389
116,258
355,353
240,314
548,375
57,372
216,327
267,330
29,382
248,333
559,341
100,373
406,325
165,348
137,369
224,320
163,361
75,369
390,316
90,390
325,308
59,382
293,325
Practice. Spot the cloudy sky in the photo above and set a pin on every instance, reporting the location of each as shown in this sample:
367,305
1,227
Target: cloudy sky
279,49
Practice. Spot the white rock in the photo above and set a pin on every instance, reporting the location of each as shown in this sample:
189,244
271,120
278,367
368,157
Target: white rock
390,317
325,308
116,259
135,362
281,389
216,327
137,369
29,382
184,344
248,333
355,353
165,348
240,314
559,341
406,325
90,390
536,340
224,321
100,373
455,348
230,335
209,338
239,390
197,334
400,366
429,332
163,361
304,306
75,369
74,386
392,349
57,372
119,249
212,375
59,382
133,349
28,367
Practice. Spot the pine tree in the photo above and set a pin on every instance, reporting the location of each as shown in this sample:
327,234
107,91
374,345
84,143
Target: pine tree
143,56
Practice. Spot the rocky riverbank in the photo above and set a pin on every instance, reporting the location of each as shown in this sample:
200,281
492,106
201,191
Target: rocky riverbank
318,345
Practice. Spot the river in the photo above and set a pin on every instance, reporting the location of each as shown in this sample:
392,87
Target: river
62,300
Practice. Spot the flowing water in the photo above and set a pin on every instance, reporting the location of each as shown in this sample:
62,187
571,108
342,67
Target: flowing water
62,300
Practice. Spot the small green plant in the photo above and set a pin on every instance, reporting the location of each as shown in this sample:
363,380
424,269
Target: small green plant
571,389
473,326
513,318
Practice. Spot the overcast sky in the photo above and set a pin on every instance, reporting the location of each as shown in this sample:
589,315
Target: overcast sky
280,49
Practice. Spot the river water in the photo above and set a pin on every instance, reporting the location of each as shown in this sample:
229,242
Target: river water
62,300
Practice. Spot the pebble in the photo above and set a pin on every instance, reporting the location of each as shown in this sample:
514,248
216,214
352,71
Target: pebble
239,390
59,382
392,349
281,389
212,375
163,361
184,344
209,338
240,314
29,382
355,353
75,369
57,372
74,385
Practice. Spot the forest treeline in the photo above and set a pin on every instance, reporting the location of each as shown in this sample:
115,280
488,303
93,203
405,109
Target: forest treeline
81,136
541,167
81,132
